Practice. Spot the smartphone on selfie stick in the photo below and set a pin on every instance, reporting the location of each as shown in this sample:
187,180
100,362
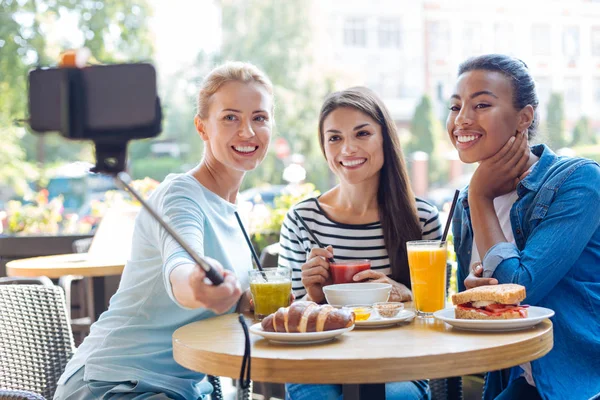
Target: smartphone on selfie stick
109,105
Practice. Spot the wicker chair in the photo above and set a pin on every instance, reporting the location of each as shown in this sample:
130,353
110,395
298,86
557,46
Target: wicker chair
36,340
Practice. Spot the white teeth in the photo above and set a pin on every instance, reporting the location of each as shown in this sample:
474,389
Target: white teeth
465,139
353,162
245,149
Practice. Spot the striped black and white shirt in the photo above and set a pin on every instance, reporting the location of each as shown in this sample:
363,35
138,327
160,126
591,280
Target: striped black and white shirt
349,241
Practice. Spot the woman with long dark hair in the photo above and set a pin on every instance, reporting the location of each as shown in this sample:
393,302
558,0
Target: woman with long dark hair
371,214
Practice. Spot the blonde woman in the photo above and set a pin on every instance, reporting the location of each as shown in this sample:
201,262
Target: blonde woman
128,353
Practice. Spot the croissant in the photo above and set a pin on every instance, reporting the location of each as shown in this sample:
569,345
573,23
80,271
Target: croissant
307,316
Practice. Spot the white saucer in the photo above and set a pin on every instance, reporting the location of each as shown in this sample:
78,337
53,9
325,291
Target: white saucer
298,338
378,322
535,315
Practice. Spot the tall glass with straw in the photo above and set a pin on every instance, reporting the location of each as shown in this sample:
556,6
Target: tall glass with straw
270,287
427,263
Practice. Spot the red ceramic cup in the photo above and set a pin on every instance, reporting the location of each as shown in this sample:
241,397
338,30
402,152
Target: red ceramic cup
343,271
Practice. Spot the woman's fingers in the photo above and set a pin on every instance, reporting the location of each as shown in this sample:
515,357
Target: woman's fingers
477,269
504,150
319,252
473,281
315,269
368,274
516,153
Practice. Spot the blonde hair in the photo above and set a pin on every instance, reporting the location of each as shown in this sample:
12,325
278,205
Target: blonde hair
228,72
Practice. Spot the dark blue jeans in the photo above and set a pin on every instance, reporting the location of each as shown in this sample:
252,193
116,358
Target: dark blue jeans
519,389
418,390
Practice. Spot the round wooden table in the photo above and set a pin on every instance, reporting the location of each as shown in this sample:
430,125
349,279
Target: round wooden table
82,264
65,264
424,348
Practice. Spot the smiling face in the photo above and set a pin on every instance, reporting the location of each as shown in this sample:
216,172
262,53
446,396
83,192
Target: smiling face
237,129
482,115
353,145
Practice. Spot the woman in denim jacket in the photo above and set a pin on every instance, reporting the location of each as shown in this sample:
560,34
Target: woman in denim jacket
531,218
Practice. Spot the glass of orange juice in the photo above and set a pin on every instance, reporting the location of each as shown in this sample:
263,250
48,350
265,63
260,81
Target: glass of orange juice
427,264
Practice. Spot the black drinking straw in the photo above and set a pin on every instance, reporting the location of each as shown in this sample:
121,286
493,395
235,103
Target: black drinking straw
312,235
254,255
450,216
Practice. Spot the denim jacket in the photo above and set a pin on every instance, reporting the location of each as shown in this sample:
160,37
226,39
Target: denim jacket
556,225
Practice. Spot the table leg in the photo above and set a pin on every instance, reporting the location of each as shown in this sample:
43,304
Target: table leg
375,391
99,297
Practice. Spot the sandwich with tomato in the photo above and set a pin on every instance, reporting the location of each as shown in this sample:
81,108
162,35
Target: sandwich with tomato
491,302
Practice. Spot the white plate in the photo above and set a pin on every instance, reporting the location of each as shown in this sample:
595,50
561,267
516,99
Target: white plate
378,322
298,338
535,315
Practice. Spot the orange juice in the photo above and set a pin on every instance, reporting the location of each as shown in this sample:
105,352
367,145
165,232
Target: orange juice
427,263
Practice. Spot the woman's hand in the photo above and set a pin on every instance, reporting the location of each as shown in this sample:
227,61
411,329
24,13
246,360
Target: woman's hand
315,273
245,305
399,291
474,279
500,174
193,289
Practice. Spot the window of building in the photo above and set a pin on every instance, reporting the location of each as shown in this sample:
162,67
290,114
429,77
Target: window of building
573,97
543,86
438,40
388,33
355,32
541,40
504,38
472,43
596,90
571,42
596,41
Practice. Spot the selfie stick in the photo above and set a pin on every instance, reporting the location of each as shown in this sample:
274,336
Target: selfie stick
215,277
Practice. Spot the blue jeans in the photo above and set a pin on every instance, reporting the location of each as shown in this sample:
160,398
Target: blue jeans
76,388
519,389
417,390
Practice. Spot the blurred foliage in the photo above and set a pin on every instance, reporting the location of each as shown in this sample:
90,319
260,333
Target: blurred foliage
114,30
424,128
588,151
38,217
426,134
276,36
155,167
41,216
583,133
14,170
265,221
555,122
118,198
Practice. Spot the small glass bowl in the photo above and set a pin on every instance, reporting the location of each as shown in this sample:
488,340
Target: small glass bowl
362,312
388,309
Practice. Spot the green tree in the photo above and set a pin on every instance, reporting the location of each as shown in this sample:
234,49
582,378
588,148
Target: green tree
555,122
114,30
425,132
583,133
424,128
276,36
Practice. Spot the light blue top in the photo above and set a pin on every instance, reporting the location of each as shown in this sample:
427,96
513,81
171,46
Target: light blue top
556,225
133,339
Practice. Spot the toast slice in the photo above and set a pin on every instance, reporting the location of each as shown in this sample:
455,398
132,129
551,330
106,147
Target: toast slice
508,293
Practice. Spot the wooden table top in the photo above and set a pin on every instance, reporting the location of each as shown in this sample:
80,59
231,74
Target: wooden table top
425,348
65,264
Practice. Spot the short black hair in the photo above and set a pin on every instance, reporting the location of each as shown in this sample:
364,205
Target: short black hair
525,92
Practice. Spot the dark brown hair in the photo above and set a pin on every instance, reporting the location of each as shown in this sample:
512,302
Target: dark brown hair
395,198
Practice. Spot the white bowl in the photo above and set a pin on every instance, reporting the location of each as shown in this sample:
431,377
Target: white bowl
357,293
